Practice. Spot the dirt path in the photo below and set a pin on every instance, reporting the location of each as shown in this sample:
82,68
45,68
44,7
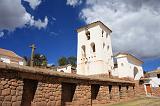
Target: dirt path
144,101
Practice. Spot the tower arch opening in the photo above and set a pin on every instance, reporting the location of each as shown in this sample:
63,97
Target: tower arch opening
135,71
87,34
83,50
93,48
103,45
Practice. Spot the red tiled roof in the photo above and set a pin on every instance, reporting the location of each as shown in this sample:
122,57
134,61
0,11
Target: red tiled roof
10,54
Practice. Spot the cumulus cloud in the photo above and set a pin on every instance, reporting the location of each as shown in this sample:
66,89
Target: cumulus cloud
34,3
1,34
39,24
14,15
135,24
74,2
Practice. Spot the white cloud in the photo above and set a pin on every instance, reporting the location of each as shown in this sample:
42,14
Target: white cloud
39,24
14,15
1,34
74,2
135,24
34,3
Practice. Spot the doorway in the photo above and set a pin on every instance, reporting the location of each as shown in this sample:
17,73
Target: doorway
148,89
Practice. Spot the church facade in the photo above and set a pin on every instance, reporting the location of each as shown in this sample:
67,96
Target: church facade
94,51
95,56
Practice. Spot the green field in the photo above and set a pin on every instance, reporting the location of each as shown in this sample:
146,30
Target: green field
140,102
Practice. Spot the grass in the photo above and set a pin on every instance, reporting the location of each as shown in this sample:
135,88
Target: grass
145,101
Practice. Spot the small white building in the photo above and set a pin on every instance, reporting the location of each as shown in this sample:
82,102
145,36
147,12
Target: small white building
127,65
154,77
66,68
10,57
152,83
94,51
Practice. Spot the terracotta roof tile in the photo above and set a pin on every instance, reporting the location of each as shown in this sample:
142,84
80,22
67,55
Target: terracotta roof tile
10,54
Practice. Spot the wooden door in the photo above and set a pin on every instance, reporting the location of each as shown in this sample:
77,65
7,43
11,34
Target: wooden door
148,88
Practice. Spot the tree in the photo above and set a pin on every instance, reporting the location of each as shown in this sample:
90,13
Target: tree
39,60
62,61
72,60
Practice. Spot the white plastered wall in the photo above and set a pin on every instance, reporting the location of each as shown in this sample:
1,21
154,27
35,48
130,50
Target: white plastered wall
155,81
126,68
66,69
98,62
5,60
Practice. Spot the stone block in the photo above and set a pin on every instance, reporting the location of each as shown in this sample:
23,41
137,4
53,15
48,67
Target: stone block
6,104
42,103
1,86
1,98
20,88
6,86
51,98
19,98
3,82
13,92
6,92
19,92
18,103
14,98
8,98
13,87
14,84
58,103
51,103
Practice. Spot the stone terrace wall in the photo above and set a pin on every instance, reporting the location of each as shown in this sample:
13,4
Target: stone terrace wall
156,91
26,86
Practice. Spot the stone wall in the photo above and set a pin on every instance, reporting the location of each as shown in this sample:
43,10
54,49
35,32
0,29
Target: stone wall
156,91
139,88
26,86
11,89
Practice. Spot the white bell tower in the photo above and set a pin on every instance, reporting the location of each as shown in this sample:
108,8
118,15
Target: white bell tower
94,51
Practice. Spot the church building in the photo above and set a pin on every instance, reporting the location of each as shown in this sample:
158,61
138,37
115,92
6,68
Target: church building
94,54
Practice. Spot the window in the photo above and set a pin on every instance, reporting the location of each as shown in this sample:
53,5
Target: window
109,74
103,45
106,35
122,64
93,47
102,33
88,35
115,65
135,71
107,47
158,75
83,51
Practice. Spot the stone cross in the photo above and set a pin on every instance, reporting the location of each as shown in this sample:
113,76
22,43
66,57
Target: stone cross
32,54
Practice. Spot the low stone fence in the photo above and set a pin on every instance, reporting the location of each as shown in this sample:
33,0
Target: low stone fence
26,86
155,91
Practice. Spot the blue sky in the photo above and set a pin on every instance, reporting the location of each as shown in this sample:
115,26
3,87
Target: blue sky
51,25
